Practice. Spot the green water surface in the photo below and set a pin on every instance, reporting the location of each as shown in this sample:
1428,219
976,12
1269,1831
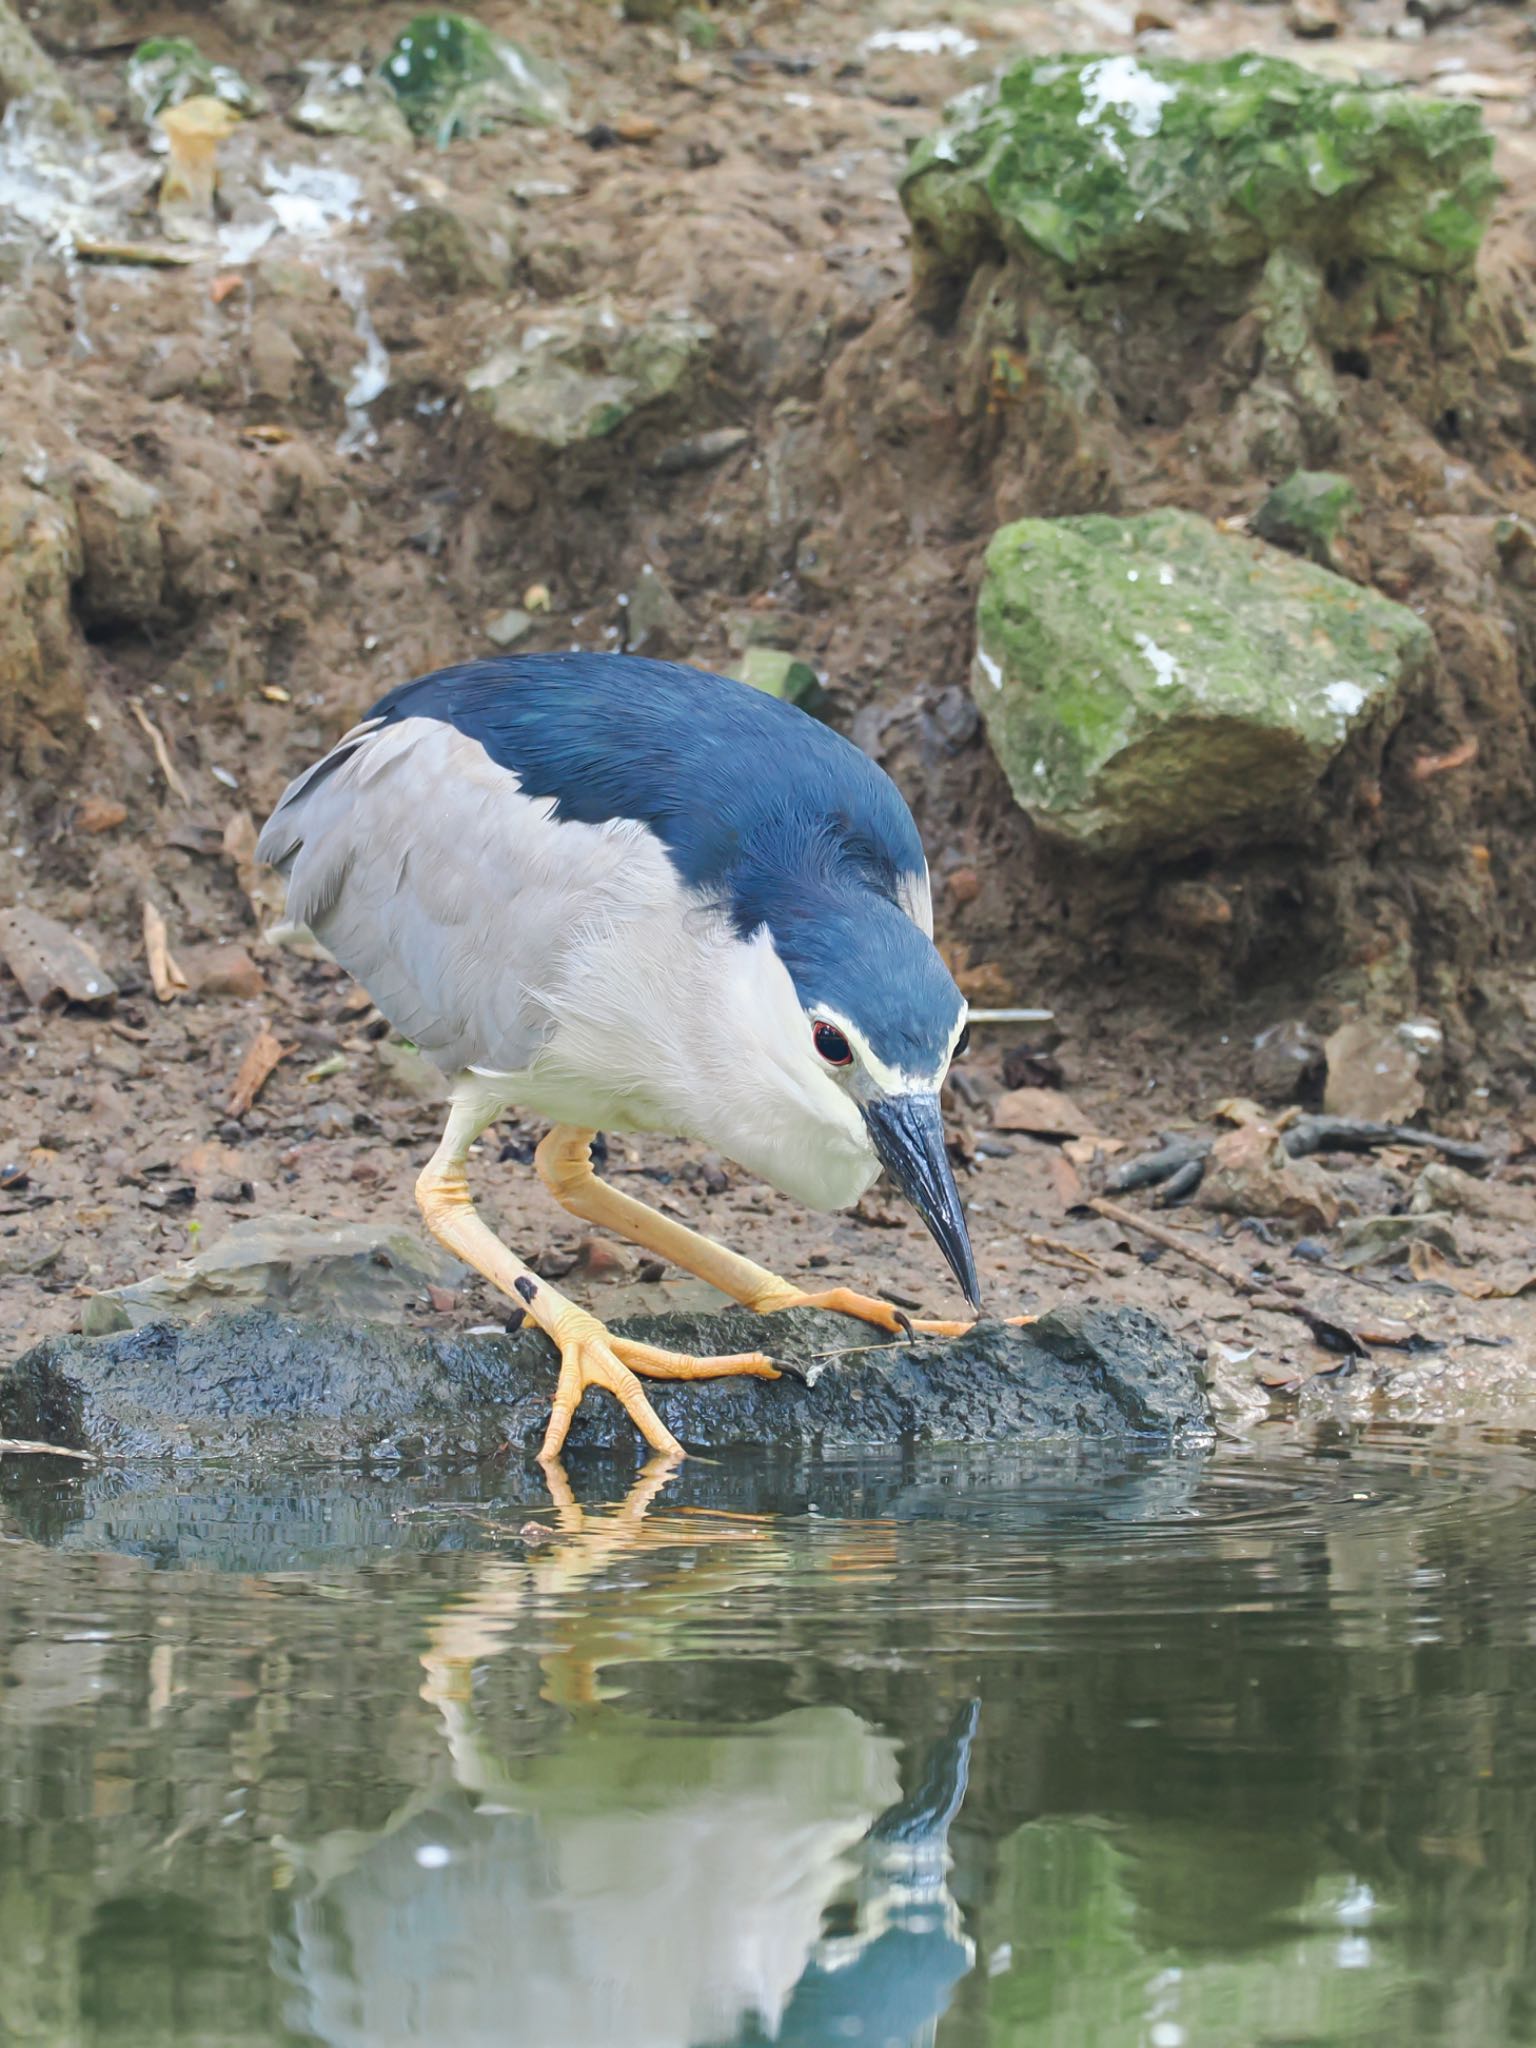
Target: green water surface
990,1752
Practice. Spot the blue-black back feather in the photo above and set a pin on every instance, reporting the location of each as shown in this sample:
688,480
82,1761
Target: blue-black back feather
774,816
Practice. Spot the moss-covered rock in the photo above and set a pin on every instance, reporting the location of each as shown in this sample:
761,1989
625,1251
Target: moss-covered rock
454,76
1103,166
1308,513
41,695
166,70
28,74
343,99
449,249
1155,684
122,581
778,673
580,373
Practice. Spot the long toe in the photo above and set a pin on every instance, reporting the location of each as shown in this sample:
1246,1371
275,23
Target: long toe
590,1360
846,1301
681,1365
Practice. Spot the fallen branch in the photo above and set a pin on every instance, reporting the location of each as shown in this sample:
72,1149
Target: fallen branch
1178,1164
151,255
1260,1294
1152,1168
1175,1241
162,752
1181,1186
1047,1245
20,1446
1310,1134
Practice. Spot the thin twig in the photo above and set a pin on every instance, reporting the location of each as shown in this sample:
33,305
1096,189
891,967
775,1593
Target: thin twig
1069,1251
1176,1241
1261,1294
162,752
157,255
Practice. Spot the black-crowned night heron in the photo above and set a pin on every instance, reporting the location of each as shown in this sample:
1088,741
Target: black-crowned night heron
629,896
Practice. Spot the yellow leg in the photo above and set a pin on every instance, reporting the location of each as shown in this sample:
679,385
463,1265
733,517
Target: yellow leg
564,1161
590,1356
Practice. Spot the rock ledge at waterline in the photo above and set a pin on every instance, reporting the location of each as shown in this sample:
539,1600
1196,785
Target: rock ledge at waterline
261,1384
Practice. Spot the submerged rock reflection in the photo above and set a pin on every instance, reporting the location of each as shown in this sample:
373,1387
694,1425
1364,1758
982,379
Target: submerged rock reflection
1254,1756
653,1882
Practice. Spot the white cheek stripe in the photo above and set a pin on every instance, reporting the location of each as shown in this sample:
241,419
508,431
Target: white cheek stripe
888,1079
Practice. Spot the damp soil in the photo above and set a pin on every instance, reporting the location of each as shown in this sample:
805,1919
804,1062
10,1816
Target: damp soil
320,551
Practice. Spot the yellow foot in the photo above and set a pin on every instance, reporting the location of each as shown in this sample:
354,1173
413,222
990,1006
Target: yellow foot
844,1301
590,1356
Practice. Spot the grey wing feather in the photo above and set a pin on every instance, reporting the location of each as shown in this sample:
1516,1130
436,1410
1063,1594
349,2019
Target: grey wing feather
425,871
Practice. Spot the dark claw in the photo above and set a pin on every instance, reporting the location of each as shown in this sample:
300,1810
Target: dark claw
906,1323
802,1376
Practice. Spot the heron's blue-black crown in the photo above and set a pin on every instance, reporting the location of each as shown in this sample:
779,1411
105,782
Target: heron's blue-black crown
762,809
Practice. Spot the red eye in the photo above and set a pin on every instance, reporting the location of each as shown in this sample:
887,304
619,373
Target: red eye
832,1045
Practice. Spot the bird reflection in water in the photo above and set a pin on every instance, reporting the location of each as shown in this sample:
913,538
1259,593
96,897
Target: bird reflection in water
646,1881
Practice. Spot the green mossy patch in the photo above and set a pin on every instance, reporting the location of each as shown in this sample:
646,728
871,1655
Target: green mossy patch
454,76
1308,513
1104,166
1155,684
583,370
165,70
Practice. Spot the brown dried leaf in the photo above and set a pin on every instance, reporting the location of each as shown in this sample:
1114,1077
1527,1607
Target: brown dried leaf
262,889
1500,1282
1066,1181
261,1056
165,976
99,814
1042,1112
1238,1109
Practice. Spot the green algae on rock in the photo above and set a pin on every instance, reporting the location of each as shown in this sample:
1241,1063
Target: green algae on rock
582,371
343,99
1153,684
454,76
1110,165
778,673
1307,513
166,70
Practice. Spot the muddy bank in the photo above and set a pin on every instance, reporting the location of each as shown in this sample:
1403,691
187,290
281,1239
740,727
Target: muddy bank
258,1384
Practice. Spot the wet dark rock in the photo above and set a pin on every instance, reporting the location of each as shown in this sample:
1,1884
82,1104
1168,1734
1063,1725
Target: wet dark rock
306,1266
655,622
258,1383
1287,1063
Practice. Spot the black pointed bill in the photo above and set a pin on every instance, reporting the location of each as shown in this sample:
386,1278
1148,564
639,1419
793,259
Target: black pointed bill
907,1132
